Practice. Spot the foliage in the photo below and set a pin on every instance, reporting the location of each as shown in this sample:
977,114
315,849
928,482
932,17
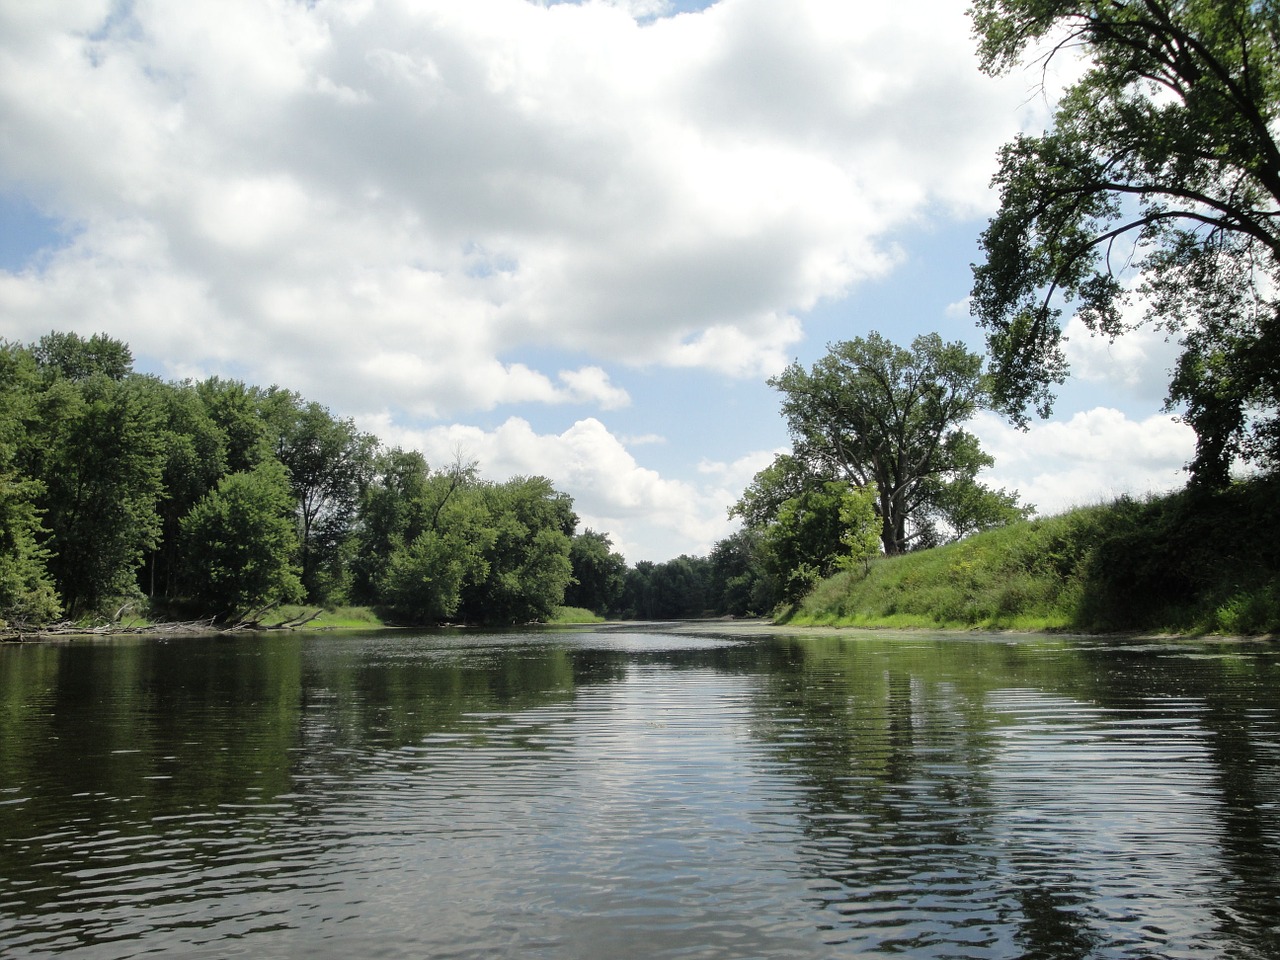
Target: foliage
528,557
394,509
328,461
876,415
738,582
1193,561
442,549
1161,165
813,535
858,529
96,449
68,356
194,460
599,574
27,594
239,542
674,590
215,496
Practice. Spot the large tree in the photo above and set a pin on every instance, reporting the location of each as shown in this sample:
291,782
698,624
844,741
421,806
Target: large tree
1160,178
599,574
96,448
528,565
239,542
874,414
27,593
329,462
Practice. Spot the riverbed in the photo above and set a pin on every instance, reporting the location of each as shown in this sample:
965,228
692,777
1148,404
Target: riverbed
715,791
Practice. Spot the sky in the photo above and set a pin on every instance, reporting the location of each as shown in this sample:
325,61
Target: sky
564,239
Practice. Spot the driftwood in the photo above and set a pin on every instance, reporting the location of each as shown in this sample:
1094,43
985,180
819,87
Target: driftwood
19,632
22,632
253,620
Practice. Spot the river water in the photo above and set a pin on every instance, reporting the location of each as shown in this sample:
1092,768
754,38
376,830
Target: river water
639,792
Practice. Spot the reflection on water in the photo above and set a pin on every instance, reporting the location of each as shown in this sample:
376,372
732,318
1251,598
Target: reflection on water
639,793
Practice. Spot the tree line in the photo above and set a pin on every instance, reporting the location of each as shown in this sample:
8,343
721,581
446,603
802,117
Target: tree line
212,498
208,499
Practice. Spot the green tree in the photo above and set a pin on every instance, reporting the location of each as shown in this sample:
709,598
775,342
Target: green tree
740,585
424,537
859,528
27,594
70,356
239,542
674,590
528,560
394,509
194,460
873,414
328,461
598,573
96,448
1161,168
237,411
816,533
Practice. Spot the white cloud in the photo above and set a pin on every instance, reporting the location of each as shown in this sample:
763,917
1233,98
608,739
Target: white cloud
382,204
1140,360
591,385
1094,456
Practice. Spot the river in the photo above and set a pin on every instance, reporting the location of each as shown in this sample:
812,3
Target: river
639,791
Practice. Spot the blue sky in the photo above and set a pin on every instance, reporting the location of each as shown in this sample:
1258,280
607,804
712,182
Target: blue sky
570,239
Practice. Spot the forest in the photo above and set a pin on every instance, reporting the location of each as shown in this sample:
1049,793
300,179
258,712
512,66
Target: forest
209,500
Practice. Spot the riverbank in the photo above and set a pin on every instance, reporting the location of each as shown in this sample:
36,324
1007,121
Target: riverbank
1189,563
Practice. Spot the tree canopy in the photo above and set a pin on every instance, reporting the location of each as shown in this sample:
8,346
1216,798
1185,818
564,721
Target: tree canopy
876,415
1159,180
215,497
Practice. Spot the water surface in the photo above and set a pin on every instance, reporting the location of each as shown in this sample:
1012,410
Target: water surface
639,793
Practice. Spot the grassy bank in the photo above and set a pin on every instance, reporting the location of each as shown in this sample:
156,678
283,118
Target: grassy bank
1189,562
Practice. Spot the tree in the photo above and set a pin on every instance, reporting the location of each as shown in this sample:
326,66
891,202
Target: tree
424,537
96,448
872,414
859,524
236,410
328,462
239,542
739,584
394,508
195,459
1159,179
528,559
70,356
27,594
676,589
598,573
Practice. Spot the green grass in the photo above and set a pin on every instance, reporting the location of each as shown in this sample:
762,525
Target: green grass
337,618
1187,562
574,615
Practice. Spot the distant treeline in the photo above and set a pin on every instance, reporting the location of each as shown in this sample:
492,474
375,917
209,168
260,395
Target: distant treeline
212,498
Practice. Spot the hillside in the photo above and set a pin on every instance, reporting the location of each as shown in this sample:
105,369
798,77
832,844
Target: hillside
1189,562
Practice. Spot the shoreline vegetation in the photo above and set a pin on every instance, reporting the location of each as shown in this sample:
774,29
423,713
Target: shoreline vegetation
1190,563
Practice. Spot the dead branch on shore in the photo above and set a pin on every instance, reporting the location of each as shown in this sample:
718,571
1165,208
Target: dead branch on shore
65,629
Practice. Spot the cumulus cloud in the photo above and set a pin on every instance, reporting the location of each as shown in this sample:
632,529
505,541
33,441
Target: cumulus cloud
1141,360
383,204
1094,456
